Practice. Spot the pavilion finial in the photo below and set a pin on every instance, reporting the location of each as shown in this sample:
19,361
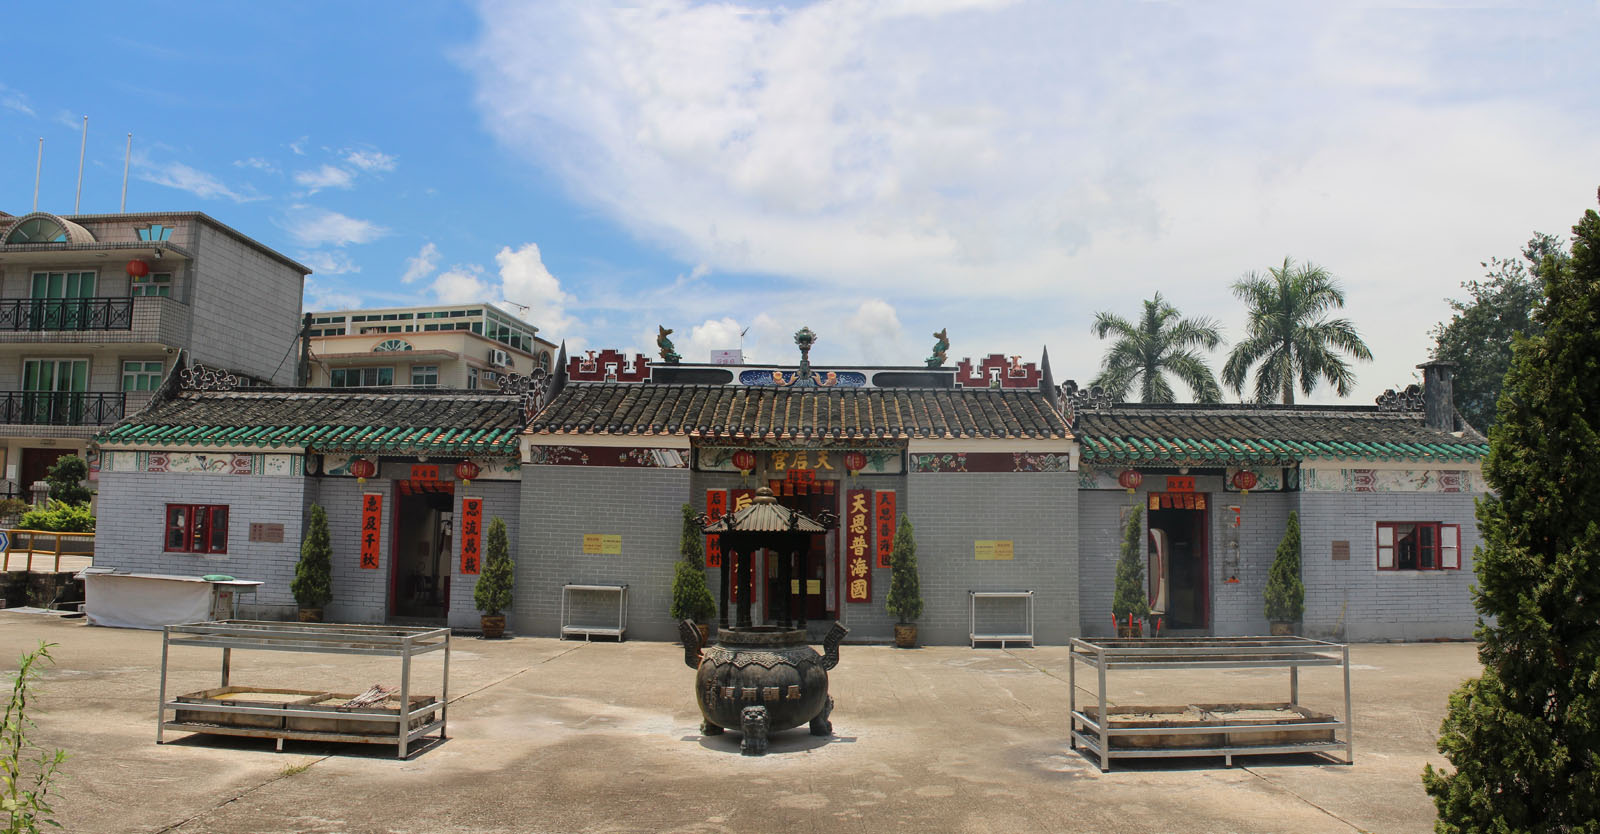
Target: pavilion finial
805,338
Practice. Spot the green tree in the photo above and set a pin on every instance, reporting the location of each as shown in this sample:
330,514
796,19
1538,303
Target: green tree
24,786
66,477
1524,738
904,602
1161,343
691,598
1478,336
1288,337
492,593
1285,594
312,585
1130,596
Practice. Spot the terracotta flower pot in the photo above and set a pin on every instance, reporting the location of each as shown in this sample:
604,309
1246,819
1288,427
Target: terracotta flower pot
311,615
1281,629
905,636
494,625
1134,630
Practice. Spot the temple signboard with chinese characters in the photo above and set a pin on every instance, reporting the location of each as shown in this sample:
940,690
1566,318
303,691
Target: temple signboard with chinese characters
858,545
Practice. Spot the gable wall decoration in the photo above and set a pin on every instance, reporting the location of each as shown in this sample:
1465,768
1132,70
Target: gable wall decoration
204,463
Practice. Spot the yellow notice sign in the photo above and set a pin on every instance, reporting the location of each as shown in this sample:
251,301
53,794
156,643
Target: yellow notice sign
604,544
992,551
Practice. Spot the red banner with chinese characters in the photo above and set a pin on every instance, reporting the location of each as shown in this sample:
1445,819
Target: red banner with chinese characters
371,528
883,519
858,545
471,535
738,499
716,506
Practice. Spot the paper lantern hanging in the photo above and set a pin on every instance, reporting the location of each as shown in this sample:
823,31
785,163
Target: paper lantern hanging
855,462
363,469
466,471
1130,479
744,460
1244,480
138,268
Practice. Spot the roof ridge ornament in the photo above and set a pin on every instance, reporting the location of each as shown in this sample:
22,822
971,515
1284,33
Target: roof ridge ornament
804,338
534,389
1409,400
198,377
1077,400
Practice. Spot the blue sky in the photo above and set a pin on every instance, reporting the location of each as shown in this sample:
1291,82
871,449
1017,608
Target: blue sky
875,170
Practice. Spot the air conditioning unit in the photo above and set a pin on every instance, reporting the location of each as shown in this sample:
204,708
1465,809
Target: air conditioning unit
499,358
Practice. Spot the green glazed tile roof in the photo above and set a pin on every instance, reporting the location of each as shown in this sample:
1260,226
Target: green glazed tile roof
399,421
1267,435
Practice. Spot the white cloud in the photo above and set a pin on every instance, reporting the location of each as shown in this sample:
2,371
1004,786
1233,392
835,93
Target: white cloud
327,176
1008,169
370,160
312,226
461,285
421,266
319,295
257,163
14,100
184,178
714,334
876,332
299,146
329,263
525,280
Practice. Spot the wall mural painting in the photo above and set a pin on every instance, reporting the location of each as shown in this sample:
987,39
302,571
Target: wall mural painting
992,462
642,458
204,463
1268,479
1393,480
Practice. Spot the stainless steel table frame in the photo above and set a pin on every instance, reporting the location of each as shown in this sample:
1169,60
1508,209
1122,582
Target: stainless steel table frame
977,637
325,638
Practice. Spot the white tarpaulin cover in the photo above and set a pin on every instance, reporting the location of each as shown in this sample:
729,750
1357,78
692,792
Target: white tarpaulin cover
146,601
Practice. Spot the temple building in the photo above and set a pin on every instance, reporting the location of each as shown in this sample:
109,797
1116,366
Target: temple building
1017,490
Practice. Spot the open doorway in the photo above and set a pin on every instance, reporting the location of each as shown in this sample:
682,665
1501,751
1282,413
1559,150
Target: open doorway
1179,564
419,578
815,566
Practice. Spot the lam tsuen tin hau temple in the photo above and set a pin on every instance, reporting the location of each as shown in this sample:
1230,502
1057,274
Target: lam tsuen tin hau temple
1016,487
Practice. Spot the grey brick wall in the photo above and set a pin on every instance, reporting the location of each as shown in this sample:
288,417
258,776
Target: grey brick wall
1355,601
502,499
562,503
132,512
246,307
360,595
1038,512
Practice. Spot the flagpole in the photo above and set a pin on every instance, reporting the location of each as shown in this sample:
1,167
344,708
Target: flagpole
125,156
76,198
37,167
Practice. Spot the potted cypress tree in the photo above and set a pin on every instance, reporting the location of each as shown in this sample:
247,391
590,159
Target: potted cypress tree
313,574
691,598
905,587
1130,604
1285,594
492,593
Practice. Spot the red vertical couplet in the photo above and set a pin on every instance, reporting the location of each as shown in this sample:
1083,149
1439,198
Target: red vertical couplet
471,535
371,521
858,545
883,517
716,506
738,499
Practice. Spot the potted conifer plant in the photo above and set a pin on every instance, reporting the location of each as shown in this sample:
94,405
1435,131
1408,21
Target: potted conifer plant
313,574
492,594
691,598
905,586
1130,605
1285,594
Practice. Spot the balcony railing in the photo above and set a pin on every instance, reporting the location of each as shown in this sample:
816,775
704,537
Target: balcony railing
61,408
78,314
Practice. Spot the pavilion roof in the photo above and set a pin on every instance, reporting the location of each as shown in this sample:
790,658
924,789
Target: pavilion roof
766,515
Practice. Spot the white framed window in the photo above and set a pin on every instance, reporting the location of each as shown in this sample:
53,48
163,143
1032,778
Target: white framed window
139,375
153,284
424,376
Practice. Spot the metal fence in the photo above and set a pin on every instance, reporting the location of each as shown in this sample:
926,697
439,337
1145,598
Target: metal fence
62,408
112,313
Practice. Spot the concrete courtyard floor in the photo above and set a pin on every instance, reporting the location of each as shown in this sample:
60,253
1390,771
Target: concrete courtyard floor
602,737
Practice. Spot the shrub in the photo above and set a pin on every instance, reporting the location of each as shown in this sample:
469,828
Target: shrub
24,785
1130,596
60,517
691,599
1285,594
313,574
492,594
905,586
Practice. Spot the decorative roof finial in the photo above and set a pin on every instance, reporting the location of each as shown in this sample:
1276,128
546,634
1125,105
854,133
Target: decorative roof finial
805,338
940,348
669,354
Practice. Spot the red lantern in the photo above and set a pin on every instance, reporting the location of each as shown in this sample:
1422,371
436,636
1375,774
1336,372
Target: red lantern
138,268
855,461
363,468
1244,480
1130,479
467,470
744,460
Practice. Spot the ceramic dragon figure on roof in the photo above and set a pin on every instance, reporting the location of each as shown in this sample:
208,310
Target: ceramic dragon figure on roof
669,354
940,348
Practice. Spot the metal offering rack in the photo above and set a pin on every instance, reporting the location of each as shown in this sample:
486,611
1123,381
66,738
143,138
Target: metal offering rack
1314,732
409,723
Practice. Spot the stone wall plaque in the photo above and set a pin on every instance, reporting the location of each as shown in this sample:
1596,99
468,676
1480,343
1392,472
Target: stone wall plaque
1341,551
266,532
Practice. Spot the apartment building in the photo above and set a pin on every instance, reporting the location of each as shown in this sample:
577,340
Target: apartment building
94,309
462,346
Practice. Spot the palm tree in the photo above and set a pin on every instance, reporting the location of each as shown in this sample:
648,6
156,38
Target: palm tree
1288,337
1161,343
